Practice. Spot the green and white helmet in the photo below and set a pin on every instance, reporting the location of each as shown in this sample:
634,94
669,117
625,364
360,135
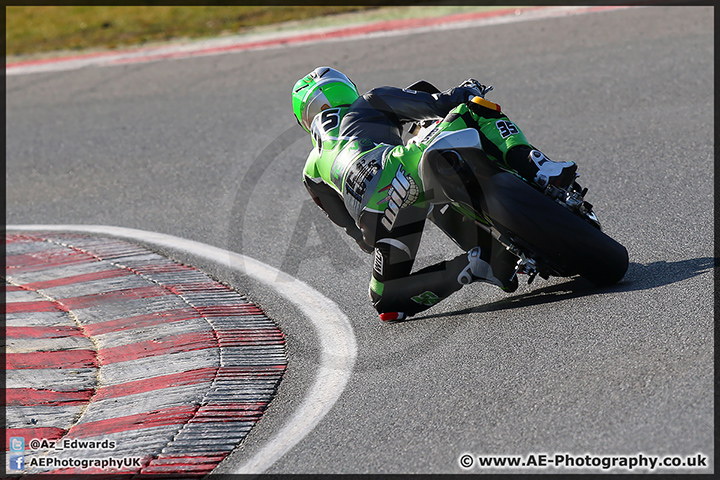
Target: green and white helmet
322,88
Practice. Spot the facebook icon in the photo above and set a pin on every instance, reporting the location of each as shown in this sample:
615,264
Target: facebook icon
17,462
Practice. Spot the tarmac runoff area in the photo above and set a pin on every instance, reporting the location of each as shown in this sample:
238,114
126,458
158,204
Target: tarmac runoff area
153,363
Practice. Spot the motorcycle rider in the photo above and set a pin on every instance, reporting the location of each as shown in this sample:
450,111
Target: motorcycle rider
367,182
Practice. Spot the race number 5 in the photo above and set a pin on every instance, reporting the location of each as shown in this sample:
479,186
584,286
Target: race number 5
330,119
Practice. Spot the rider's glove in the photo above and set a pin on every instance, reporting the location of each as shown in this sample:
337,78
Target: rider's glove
477,89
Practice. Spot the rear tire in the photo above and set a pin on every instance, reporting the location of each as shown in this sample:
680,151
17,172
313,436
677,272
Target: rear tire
557,236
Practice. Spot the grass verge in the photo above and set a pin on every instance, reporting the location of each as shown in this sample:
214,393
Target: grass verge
39,29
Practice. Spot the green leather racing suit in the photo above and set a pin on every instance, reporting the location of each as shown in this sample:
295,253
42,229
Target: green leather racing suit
367,182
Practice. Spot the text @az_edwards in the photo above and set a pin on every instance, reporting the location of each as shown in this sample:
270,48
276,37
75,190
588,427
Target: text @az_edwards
71,444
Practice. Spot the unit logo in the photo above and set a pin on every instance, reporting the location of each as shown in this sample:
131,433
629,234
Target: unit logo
402,192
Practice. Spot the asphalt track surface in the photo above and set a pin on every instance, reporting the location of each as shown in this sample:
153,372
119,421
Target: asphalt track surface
206,149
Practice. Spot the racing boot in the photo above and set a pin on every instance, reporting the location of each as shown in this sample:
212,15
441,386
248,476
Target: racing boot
533,165
393,316
498,269
559,174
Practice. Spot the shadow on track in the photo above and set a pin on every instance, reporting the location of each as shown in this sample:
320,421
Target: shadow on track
638,277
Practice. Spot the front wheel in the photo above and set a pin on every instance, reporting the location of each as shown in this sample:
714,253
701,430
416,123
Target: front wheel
554,235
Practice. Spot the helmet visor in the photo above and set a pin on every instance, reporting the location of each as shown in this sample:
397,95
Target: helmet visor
316,103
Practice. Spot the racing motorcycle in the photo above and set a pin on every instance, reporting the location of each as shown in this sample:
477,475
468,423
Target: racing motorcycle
553,231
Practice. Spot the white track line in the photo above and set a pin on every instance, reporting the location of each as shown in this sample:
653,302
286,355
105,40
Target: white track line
332,327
